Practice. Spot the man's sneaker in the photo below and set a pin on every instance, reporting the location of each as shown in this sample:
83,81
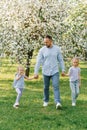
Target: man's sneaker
16,105
45,104
73,104
58,106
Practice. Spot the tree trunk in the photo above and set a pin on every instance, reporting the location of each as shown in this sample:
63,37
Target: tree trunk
85,55
30,53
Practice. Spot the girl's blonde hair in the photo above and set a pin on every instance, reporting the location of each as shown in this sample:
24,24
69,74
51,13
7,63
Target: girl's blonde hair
75,58
20,67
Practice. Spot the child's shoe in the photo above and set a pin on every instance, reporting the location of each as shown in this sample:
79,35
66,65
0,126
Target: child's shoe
73,104
16,105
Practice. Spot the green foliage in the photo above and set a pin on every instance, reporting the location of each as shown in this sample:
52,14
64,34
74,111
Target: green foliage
31,115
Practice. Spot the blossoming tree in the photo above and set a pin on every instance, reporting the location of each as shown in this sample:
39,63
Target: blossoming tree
24,23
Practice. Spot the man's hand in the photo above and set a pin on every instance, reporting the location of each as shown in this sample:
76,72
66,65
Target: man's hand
36,76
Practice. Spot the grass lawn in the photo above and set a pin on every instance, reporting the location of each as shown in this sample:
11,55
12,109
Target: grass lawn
31,115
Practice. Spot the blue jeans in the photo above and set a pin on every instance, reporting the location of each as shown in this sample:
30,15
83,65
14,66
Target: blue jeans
55,83
74,85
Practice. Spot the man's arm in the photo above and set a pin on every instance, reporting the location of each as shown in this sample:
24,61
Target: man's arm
61,61
38,63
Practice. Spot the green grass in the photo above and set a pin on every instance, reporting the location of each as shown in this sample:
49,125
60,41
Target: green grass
31,115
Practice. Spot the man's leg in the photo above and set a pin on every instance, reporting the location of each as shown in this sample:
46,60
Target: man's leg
46,87
55,82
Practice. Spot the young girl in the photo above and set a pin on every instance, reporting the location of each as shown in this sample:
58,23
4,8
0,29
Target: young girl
75,81
18,84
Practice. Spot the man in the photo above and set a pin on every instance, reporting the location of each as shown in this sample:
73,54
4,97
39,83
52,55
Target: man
49,56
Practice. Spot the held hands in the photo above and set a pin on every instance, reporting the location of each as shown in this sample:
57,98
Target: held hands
63,74
36,76
30,78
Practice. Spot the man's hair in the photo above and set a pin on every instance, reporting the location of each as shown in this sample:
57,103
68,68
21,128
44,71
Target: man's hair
48,36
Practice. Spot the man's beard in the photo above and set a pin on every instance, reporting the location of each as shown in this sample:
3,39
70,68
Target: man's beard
48,46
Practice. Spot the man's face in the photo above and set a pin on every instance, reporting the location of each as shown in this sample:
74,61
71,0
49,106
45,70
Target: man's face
48,42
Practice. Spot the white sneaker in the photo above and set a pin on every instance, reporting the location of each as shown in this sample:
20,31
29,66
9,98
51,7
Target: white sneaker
58,105
45,104
16,105
73,104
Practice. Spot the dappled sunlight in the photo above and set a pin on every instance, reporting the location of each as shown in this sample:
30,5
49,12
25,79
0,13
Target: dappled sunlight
83,64
4,87
84,78
83,97
34,89
66,97
7,76
64,78
36,100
